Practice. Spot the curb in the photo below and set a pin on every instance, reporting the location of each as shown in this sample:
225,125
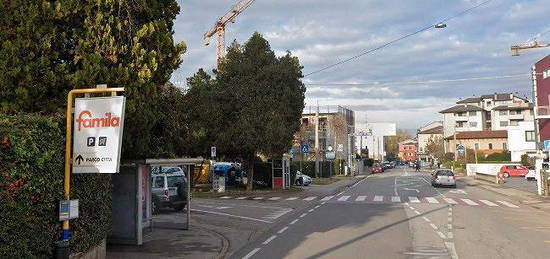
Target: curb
225,241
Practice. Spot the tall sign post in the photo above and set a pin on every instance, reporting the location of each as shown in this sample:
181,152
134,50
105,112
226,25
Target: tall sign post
98,122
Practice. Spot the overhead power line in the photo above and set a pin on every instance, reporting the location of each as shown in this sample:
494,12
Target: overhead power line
396,40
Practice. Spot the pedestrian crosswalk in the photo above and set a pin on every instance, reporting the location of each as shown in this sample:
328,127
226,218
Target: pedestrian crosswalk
383,199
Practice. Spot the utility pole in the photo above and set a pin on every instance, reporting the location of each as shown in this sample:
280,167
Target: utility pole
317,141
454,143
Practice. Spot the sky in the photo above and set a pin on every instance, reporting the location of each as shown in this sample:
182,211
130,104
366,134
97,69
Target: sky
407,82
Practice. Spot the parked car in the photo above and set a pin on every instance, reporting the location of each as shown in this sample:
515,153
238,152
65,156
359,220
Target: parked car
169,188
531,175
377,169
302,179
443,177
386,165
513,170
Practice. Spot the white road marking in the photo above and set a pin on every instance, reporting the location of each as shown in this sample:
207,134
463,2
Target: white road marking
258,198
361,198
231,215
343,198
378,198
317,206
282,230
395,199
459,191
277,214
426,219
441,234
417,213
449,226
432,200
310,210
269,240
255,250
310,198
450,235
303,215
225,197
291,198
274,198
508,204
433,226
470,202
450,201
327,198
294,221
451,248
241,198
489,203
414,199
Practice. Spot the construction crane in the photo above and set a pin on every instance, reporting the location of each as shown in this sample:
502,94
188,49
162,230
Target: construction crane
531,45
219,27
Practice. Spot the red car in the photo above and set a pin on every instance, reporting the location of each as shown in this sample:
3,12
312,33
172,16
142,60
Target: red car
514,170
377,169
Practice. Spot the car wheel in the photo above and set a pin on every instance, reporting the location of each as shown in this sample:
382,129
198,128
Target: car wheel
179,207
454,186
506,175
154,207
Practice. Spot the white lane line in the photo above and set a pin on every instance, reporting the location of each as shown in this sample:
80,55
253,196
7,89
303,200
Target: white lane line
311,210
432,200
414,199
241,198
426,219
450,235
269,240
291,198
310,198
450,201
361,198
258,198
274,198
225,197
277,214
470,202
327,198
449,226
282,230
303,215
451,248
395,199
489,203
343,198
441,235
255,250
508,204
340,193
294,221
378,198
417,213
231,215
317,206
433,226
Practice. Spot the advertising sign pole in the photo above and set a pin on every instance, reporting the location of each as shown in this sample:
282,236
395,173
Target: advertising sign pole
68,144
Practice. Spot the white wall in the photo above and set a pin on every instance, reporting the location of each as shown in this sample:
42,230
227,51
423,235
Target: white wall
448,124
516,140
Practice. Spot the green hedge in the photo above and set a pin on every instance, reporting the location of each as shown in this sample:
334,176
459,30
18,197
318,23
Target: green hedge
31,173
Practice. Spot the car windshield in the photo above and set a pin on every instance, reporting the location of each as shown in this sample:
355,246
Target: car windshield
445,173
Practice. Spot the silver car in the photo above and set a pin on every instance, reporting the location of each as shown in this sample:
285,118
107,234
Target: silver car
443,177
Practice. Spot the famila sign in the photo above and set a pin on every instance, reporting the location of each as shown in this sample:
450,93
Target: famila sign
98,127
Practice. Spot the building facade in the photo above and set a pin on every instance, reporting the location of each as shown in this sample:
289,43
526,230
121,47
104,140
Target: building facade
425,134
542,69
407,150
485,142
521,140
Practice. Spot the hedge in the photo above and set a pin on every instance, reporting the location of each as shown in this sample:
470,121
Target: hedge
31,173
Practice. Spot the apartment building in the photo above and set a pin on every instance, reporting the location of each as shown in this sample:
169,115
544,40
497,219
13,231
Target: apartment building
424,135
407,150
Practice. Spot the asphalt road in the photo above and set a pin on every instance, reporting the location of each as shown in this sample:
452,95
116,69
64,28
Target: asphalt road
398,214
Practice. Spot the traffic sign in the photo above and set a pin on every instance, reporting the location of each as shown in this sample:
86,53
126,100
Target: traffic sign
460,148
331,155
98,127
213,151
340,148
304,148
547,145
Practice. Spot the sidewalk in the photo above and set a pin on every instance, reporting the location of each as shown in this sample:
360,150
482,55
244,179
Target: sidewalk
523,197
169,240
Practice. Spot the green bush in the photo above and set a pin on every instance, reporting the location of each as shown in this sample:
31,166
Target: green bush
31,173
502,157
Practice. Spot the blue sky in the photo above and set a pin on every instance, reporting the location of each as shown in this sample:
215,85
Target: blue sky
395,84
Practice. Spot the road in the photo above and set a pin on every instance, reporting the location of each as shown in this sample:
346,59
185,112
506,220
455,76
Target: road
397,214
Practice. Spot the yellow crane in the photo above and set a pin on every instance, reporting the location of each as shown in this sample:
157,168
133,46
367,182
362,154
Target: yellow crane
531,45
219,27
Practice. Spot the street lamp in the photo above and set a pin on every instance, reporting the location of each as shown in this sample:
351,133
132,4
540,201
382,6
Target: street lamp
440,25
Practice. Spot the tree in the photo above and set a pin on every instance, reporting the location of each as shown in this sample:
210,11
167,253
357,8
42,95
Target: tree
392,143
257,102
435,148
51,47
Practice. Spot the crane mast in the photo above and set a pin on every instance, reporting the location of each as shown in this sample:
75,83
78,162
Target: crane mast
219,27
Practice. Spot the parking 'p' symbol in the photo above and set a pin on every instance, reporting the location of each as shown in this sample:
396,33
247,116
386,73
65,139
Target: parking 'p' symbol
91,141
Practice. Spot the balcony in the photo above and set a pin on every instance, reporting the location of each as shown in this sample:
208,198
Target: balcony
461,118
516,117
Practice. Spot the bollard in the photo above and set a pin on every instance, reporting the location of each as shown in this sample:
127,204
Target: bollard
62,249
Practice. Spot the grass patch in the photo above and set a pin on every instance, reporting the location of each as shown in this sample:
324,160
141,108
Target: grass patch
324,181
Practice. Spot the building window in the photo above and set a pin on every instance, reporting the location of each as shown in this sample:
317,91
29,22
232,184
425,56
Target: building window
530,136
473,124
504,146
531,112
513,123
459,124
546,73
504,123
514,112
476,146
490,145
489,103
502,112
473,113
460,114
